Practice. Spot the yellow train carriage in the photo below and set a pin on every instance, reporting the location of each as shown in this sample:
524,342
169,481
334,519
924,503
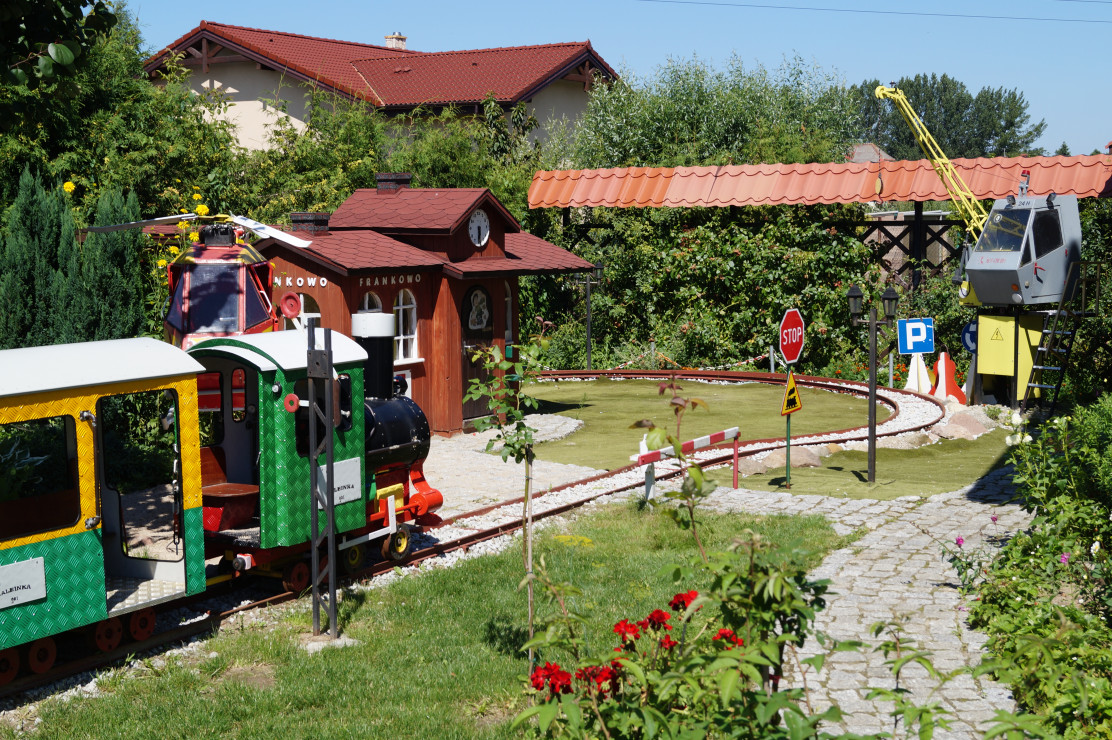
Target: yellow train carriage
100,493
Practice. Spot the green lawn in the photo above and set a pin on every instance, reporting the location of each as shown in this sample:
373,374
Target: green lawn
608,407
437,656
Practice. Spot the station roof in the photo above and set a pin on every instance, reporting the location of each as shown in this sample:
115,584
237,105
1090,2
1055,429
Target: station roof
782,184
67,366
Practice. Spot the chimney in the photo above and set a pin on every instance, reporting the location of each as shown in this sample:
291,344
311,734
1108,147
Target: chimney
314,223
395,41
389,183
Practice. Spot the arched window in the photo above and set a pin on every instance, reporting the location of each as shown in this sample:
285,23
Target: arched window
370,303
309,309
405,326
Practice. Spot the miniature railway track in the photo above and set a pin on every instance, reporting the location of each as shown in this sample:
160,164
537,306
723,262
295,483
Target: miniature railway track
709,458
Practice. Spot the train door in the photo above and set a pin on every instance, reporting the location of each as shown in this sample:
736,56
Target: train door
139,475
229,445
476,320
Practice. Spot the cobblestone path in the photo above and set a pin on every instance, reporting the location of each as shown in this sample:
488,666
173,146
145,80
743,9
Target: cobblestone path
895,572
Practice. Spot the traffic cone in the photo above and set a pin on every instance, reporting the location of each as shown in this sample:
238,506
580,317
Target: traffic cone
947,385
918,379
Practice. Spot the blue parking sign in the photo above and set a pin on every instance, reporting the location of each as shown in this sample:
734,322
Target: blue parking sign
916,336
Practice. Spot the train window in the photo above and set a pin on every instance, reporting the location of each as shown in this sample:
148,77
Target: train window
139,445
1047,231
210,404
341,410
214,298
343,397
1004,231
38,476
239,383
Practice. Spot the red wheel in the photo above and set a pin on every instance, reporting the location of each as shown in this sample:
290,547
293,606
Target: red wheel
41,654
296,576
9,665
140,624
107,634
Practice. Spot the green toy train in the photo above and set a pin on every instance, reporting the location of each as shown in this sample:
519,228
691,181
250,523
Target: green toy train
134,474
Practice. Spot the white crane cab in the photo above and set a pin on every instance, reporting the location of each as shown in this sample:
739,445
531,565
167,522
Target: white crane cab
1025,252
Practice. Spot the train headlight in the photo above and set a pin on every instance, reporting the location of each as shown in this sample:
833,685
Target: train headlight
1017,298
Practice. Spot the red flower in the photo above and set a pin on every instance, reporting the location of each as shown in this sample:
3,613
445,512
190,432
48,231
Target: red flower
643,624
658,619
598,678
680,602
558,680
667,642
626,630
727,635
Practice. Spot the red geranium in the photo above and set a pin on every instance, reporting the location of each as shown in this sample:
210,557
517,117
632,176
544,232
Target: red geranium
598,678
727,635
680,602
626,630
667,642
659,618
558,680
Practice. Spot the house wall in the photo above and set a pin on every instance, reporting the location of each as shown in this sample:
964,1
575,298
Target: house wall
247,89
560,100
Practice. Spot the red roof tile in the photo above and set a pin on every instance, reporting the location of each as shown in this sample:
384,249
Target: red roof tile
417,209
774,184
402,78
510,74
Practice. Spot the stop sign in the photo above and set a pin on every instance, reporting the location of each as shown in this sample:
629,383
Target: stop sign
791,335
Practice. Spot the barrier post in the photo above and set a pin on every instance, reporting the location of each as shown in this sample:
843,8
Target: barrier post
735,462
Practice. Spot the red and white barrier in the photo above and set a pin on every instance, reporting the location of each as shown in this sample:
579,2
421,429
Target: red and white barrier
648,458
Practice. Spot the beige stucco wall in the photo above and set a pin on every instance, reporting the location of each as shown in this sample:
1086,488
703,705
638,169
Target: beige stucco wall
560,100
248,89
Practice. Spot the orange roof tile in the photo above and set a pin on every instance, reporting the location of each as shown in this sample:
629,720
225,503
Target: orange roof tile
777,184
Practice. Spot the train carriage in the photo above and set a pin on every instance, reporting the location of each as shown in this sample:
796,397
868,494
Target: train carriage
100,492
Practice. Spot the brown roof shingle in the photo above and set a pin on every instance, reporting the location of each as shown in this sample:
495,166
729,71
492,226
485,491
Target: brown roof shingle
413,209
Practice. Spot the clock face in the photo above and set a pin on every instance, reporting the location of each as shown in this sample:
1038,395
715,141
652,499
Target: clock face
478,228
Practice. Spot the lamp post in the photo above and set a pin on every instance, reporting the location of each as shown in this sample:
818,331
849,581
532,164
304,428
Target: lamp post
594,277
889,301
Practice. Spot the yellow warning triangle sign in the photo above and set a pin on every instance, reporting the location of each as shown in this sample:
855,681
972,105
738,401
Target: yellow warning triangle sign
792,401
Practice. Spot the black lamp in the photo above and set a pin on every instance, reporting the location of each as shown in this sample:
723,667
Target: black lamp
856,298
890,299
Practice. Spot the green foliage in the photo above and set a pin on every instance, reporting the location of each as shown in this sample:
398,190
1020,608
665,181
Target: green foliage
992,123
690,114
41,39
1046,602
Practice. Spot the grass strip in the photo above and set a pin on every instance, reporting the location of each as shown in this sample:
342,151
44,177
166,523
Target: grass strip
437,654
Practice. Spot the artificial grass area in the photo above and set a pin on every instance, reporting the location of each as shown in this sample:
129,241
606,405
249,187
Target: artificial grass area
438,655
609,407
924,471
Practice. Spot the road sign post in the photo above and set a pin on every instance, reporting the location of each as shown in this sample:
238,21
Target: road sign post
791,347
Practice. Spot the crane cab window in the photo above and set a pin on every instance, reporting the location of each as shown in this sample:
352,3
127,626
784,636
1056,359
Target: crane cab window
38,476
1004,231
1047,232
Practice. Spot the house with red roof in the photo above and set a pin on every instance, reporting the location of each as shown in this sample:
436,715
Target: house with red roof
255,67
445,261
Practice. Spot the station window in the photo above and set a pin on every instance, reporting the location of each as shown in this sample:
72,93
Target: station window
371,303
405,321
38,476
309,310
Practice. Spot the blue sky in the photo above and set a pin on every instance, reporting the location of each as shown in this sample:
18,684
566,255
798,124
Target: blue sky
1050,50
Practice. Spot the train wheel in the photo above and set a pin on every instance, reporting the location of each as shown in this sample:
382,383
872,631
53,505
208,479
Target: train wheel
9,665
107,634
399,545
41,654
353,559
296,576
140,624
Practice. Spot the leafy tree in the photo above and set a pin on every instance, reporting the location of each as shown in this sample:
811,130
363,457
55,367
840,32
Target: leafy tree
993,123
41,38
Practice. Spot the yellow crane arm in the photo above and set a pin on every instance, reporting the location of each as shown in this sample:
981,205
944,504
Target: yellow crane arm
966,203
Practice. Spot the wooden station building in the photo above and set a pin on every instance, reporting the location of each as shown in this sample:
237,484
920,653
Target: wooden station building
445,261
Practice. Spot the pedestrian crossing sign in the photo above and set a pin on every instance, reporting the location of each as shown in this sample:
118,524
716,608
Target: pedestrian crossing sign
792,401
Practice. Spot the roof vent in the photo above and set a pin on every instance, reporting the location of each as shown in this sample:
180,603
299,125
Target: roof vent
395,41
315,223
392,182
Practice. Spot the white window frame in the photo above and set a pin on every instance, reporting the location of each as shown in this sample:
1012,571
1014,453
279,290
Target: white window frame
405,345
365,308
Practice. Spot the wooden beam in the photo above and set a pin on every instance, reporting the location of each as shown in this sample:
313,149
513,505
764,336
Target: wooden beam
217,60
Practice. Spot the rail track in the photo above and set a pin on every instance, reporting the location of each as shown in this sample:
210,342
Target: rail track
488,523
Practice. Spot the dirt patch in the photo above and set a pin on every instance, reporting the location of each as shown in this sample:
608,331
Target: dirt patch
257,676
